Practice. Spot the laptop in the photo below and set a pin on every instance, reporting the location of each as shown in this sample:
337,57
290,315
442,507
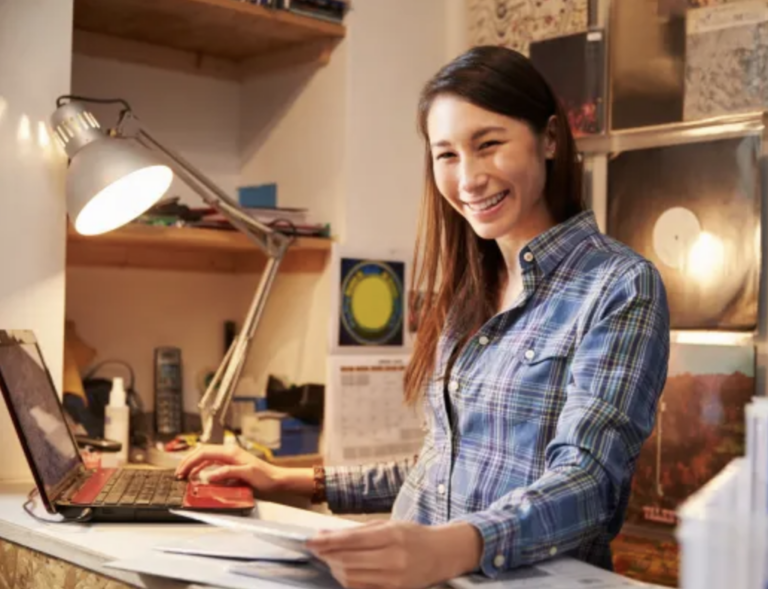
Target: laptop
65,485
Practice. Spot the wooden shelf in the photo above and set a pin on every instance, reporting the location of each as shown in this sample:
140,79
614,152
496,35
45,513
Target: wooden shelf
223,38
189,249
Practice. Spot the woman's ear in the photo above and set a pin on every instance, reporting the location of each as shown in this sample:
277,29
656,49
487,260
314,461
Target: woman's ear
550,138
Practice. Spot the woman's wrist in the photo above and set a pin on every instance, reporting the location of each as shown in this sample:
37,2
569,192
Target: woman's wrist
297,481
460,548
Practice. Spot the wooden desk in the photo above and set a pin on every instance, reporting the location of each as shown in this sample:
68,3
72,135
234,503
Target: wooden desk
22,568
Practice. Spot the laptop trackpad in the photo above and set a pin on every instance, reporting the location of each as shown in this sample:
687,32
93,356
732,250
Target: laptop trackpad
199,496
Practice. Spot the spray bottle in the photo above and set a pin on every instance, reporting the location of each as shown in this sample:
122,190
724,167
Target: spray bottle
116,421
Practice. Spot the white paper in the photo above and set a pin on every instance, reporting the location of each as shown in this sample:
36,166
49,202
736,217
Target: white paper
192,569
232,545
308,575
287,536
366,418
562,573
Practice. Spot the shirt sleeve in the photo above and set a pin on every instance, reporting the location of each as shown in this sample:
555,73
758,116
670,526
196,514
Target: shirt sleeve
617,374
365,489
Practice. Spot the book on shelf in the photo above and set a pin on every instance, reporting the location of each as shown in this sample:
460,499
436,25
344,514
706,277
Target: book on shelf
292,221
330,10
296,216
311,230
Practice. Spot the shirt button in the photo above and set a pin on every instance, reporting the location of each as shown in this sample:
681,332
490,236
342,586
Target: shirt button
499,561
453,386
528,257
441,489
529,354
553,551
483,341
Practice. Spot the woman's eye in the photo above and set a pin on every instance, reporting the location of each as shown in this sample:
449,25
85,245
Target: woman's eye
487,144
444,156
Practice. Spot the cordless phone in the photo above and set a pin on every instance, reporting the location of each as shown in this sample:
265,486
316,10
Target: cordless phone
168,391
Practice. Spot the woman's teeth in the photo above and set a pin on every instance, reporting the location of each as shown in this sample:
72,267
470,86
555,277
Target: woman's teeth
486,204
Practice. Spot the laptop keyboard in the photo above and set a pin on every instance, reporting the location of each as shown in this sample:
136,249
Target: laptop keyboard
142,487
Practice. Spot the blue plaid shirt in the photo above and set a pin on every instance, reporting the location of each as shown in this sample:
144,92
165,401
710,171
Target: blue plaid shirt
550,402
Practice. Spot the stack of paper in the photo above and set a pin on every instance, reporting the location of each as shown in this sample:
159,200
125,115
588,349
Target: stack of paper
276,554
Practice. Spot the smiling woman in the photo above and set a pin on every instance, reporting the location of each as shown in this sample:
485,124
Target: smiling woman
541,353
492,176
500,154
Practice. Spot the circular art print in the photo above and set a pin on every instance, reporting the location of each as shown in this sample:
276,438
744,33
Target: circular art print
371,312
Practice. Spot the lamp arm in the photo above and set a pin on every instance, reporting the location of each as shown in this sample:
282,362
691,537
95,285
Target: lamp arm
214,404
218,396
271,241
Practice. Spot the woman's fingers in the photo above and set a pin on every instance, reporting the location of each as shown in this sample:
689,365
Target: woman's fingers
362,538
238,472
195,470
203,453
359,560
360,579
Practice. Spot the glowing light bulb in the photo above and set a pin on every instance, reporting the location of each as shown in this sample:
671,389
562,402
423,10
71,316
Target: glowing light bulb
706,259
43,137
24,132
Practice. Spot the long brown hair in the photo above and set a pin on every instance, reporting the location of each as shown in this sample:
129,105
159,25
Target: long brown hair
452,266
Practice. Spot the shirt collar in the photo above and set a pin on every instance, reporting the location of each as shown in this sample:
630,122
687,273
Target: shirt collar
550,248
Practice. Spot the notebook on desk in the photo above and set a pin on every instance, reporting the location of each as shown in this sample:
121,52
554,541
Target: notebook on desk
65,485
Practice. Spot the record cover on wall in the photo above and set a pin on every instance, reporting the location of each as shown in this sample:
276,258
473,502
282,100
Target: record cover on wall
699,428
574,66
647,57
693,209
726,59
517,24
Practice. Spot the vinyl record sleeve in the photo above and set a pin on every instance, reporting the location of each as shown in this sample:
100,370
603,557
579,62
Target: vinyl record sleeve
694,210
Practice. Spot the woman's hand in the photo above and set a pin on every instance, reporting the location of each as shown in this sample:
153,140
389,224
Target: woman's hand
399,555
235,463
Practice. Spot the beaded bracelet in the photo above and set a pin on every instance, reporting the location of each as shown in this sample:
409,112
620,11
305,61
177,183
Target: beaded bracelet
318,478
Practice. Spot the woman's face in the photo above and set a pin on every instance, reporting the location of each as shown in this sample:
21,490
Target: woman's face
490,168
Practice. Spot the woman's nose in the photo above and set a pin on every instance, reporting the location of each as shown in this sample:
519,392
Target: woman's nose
473,177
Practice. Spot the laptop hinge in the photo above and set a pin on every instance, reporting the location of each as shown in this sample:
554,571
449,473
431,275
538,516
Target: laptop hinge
70,481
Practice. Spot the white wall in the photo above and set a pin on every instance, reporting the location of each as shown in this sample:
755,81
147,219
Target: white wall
262,131
35,40
394,48
292,133
125,314
197,116
340,140
456,28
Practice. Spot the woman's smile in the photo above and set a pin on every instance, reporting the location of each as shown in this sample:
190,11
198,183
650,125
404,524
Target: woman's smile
486,208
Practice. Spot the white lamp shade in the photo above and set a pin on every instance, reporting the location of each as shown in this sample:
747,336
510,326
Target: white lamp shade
112,181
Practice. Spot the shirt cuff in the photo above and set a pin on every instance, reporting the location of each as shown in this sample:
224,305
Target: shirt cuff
342,488
498,530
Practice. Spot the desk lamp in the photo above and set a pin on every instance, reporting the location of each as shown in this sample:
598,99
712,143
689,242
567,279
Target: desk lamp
117,175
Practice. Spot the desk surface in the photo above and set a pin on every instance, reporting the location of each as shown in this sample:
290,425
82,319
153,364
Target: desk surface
92,546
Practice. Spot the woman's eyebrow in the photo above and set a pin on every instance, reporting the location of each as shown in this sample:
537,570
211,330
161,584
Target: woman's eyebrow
475,136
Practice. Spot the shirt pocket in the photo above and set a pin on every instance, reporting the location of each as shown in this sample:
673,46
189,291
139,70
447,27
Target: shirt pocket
537,387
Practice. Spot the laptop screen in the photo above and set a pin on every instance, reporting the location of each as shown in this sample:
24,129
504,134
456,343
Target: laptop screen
36,410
